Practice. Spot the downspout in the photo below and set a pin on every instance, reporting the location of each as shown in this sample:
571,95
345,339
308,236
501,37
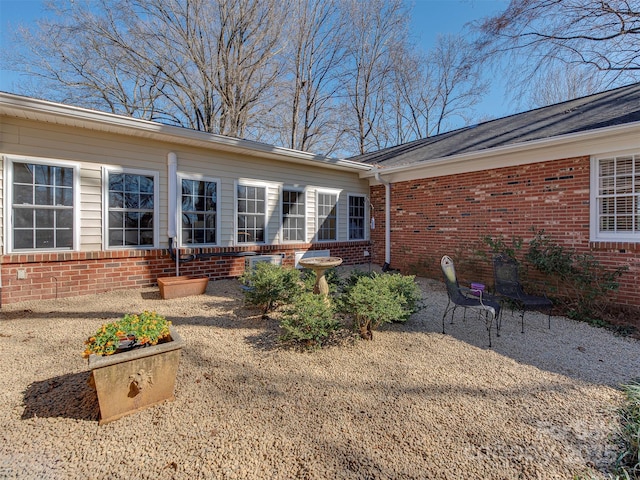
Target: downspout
172,174
387,221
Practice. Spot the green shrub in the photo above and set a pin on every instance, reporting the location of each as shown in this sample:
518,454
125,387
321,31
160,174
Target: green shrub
308,320
373,301
581,282
268,285
629,458
405,286
587,282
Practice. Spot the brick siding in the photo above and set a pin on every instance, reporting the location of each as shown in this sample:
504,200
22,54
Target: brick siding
449,215
59,275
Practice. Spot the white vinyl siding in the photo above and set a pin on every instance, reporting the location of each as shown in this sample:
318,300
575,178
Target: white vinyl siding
92,151
615,212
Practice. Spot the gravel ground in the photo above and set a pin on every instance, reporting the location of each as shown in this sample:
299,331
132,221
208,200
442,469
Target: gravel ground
412,403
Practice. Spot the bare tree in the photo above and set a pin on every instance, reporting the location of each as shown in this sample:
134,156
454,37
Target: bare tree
314,63
331,76
377,30
545,35
194,63
562,84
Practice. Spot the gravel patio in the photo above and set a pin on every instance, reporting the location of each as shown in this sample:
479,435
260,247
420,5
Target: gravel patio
412,403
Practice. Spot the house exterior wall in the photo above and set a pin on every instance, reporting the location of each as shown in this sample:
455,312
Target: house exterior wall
450,214
92,268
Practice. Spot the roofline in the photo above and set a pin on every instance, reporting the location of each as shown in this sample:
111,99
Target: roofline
43,110
589,142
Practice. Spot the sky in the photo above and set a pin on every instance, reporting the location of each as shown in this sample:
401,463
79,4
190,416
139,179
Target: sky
430,18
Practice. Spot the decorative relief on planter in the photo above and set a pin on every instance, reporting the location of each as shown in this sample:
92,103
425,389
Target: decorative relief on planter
131,381
182,286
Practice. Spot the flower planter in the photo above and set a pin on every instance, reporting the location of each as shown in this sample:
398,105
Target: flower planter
130,381
182,286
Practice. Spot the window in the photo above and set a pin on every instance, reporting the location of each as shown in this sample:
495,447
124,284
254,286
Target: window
251,205
43,197
199,211
616,213
131,209
356,217
293,216
327,216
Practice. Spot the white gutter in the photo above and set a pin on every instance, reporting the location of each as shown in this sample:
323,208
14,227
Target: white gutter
172,177
387,220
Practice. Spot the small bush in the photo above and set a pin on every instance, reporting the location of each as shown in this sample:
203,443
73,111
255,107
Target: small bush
629,458
269,286
308,320
373,301
405,286
587,281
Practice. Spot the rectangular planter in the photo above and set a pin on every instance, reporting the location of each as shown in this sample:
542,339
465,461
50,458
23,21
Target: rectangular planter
131,381
182,286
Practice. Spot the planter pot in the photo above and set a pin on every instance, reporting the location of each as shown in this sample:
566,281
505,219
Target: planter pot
133,380
182,286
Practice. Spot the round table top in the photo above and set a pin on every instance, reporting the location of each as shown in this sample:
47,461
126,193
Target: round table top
320,262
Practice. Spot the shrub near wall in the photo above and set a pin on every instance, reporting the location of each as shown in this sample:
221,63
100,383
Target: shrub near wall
68,274
450,214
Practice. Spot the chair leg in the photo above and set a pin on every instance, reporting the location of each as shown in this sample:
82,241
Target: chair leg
446,310
489,317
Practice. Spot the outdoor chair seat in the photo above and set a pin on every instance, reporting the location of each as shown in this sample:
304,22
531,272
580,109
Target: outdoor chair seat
467,298
509,288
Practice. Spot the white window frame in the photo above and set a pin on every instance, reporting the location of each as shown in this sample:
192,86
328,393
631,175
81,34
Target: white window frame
197,178
364,218
9,161
324,191
106,171
304,215
250,183
596,235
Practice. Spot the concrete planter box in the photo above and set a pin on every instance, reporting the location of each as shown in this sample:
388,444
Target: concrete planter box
182,286
131,381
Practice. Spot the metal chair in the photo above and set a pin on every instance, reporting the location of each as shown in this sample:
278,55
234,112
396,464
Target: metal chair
468,298
508,286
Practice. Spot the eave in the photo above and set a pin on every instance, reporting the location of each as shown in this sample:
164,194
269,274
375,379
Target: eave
606,140
18,106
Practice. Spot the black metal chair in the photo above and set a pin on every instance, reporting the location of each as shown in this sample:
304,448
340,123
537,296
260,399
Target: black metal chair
468,298
508,286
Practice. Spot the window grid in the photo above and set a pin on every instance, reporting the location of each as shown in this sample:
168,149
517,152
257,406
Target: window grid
199,212
131,210
618,202
251,213
293,215
42,206
327,216
356,217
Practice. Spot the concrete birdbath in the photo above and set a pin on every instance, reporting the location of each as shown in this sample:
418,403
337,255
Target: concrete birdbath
319,265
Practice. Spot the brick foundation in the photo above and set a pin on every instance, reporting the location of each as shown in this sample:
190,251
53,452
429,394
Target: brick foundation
59,275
